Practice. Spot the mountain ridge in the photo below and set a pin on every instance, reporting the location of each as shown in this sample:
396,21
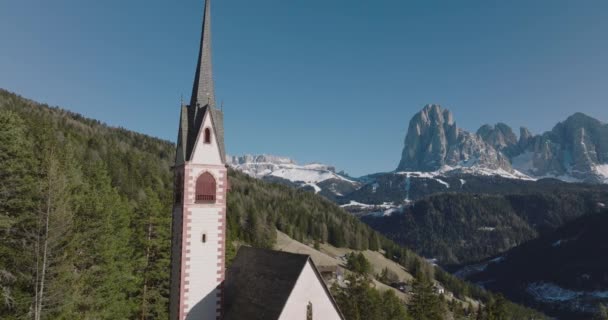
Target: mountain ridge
128,190
576,149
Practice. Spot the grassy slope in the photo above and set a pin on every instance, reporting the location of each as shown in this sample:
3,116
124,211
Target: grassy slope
328,255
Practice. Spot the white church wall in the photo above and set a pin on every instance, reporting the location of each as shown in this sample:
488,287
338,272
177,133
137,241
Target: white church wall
309,289
203,264
204,261
207,153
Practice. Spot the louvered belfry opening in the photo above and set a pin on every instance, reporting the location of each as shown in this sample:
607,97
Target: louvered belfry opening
205,188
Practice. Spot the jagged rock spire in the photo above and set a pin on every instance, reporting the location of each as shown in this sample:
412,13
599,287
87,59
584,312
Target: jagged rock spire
203,92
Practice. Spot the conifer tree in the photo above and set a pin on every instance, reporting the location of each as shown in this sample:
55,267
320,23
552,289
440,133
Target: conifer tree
105,260
151,240
58,181
18,197
360,301
425,305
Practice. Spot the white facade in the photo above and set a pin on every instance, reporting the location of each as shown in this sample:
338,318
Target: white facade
309,289
207,153
198,271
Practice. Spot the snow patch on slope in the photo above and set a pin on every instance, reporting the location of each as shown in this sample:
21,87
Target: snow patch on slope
465,169
447,185
552,293
602,171
524,162
304,173
352,203
385,209
314,186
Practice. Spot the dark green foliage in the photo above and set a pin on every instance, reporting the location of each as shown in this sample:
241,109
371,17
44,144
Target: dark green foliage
388,277
257,208
561,258
18,198
151,223
107,202
425,304
461,228
359,301
113,261
393,188
356,262
496,309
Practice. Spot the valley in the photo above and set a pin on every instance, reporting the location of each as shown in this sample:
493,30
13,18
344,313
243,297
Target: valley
111,232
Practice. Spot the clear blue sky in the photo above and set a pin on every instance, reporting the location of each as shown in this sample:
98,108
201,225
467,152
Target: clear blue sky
334,81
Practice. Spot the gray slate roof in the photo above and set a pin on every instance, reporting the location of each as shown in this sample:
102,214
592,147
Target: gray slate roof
259,283
203,90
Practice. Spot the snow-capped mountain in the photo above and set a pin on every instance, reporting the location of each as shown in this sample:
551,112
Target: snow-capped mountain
440,157
318,177
576,150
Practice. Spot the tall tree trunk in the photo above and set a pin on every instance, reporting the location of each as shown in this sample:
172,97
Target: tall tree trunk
45,250
37,273
143,300
44,258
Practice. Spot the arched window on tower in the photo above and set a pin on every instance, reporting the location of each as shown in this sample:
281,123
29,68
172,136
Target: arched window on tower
205,188
207,135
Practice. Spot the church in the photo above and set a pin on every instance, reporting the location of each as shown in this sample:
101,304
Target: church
260,284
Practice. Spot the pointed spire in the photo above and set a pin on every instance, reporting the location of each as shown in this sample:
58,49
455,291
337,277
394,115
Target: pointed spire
203,92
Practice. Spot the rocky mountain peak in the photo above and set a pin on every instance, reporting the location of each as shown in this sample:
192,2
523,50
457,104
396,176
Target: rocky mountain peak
434,114
583,147
574,150
524,137
429,133
433,141
500,136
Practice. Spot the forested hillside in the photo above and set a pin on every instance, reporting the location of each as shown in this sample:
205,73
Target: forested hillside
463,227
84,217
564,272
85,221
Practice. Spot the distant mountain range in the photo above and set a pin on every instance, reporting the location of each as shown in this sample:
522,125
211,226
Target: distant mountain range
528,207
440,157
316,177
574,150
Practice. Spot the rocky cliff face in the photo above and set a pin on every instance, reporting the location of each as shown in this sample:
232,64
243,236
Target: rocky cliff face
500,136
575,150
434,141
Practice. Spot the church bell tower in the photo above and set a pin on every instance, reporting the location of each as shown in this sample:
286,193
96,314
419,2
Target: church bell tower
199,209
